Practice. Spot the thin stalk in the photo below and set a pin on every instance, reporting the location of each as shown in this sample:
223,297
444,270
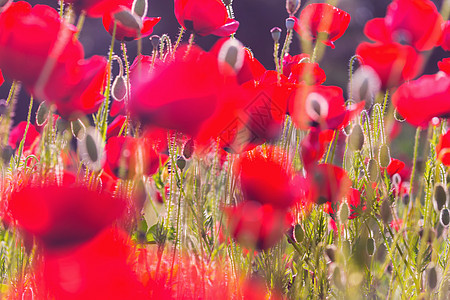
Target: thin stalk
22,142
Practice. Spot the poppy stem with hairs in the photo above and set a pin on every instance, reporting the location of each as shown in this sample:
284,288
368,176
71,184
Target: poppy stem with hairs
180,36
413,171
22,142
127,98
80,23
61,8
285,49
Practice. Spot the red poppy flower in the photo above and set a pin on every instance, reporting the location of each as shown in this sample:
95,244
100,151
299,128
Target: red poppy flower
115,126
251,69
89,5
61,216
17,133
446,36
298,69
444,65
1,78
98,269
265,180
443,149
205,17
126,32
353,199
401,24
327,183
394,63
313,146
321,106
318,18
395,167
257,226
420,100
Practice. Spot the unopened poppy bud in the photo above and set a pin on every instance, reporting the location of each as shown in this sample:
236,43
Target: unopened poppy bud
181,163
370,246
290,23
61,125
129,20
365,85
42,114
398,116
276,34
155,39
373,169
188,149
4,4
140,7
405,199
78,129
3,106
384,156
440,196
330,251
432,277
344,212
444,218
119,88
292,6
91,149
385,211
356,138
299,234
7,152
232,53
316,107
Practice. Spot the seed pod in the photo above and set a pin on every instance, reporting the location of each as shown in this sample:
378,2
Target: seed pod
78,129
370,246
440,196
444,217
299,234
181,162
385,211
398,116
140,8
42,114
292,6
290,23
188,149
344,212
155,39
91,149
384,156
330,251
276,34
119,88
356,138
232,52
373,169
432,277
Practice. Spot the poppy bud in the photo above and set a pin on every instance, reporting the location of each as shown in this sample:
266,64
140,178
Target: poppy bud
181,163
316,106
429,232
140,8
7,152
331,250
292,6
90,149
384,157
385,211
3,106
42,114
276,34
61,125
440,196
299,234
356,138
398,117
445,217
232,53
188,149
370,246
405,199
290,23
155,39
373,169
432,277
366,84
119,88
78,129
129,20
344,212
4,4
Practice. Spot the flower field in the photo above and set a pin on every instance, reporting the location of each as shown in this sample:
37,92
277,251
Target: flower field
162,169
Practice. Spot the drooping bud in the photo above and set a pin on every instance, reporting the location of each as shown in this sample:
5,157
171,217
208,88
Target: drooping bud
385,211
299,234
155,39
316,107
440,196
373,169
140,7
276,34
119,88
356,138
181,162
370,246
384,156
128,19
232,52
188,149
292,6
91,148
78,129
444,217
366,84
290,23
42,114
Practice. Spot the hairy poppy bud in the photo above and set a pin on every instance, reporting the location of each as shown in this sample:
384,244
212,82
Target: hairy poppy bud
78,129
299,234
128,19
384,156
440,196
188,149
370,246
356,138
432,278
6,153
330,251
365,85
385,211
292,6
42,114
119,88
276,34
445,217
290,23
181,163
155,39
91,149
140,8
61,125
344,212
232,52
373,169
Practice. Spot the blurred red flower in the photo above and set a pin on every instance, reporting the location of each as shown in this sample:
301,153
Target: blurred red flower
443,149
205,17
394,63
319,18
420,100
446,36
353,199
313,146
402,24
444,65
1,78
17,133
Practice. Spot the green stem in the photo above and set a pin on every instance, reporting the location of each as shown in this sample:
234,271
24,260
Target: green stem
22,142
